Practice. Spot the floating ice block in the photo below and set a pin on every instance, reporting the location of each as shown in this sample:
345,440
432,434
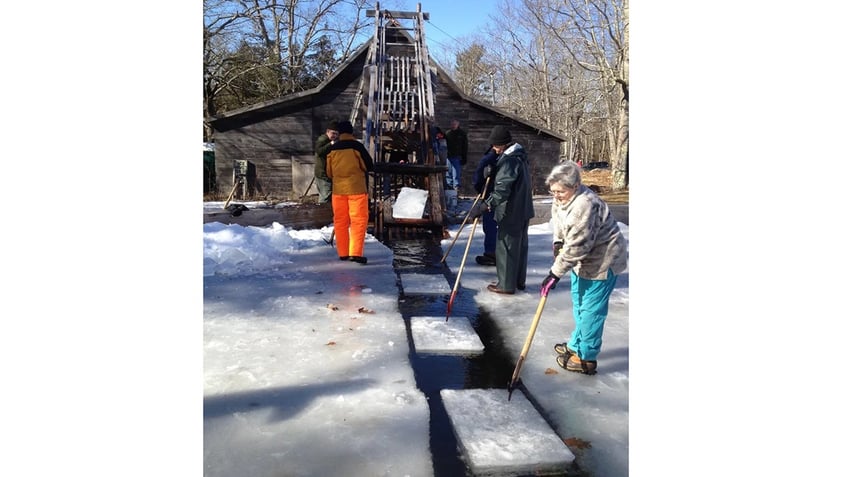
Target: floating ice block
504,437
424,284
432,334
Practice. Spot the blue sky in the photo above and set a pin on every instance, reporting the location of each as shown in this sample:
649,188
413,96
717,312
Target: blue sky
449,19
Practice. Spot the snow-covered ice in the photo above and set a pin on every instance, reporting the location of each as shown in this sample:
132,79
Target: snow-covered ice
306,358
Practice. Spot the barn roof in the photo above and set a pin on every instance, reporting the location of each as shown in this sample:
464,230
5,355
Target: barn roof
492,108
362,50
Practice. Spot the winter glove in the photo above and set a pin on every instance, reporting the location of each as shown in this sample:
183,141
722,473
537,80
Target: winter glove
478,209
487,172
557,248
548,283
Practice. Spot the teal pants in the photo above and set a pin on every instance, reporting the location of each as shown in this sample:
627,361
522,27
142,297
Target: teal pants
591,304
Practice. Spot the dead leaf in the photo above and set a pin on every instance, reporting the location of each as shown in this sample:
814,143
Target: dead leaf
365,310
331,343
575,443
332,307
551,371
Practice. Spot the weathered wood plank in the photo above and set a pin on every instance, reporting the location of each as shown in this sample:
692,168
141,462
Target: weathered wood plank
302,216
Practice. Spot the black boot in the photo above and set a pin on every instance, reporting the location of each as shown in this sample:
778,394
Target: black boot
486,259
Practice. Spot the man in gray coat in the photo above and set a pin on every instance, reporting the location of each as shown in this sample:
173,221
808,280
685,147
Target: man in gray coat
512,201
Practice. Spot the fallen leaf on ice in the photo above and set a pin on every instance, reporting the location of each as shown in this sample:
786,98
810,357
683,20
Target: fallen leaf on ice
365,310
551,371
332,306
576,443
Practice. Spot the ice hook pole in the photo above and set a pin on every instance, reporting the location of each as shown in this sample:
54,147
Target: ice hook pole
526,348
232,192
448,251
478,199
461,266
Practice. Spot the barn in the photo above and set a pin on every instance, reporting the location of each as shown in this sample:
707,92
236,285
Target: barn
275,139
271,144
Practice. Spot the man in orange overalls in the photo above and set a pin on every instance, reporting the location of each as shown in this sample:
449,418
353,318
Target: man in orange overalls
348,164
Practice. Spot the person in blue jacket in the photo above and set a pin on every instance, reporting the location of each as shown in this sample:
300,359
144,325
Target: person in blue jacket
485,170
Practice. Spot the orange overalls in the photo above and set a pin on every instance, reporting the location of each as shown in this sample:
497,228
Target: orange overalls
348,163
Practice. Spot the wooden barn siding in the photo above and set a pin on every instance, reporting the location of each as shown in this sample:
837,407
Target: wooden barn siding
269,138
335,102
268,145
543,150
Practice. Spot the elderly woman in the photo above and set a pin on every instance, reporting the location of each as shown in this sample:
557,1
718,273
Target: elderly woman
588,243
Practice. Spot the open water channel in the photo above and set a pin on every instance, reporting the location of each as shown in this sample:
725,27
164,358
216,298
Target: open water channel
492,369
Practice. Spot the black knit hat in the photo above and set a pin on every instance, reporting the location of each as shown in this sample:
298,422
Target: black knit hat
345,127
332,126
500,136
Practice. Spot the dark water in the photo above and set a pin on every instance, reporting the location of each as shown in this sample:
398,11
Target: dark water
491,370
433,373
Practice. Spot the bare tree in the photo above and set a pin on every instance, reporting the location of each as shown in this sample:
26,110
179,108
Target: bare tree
221,23
595,33
256,50
471,73
564,65
536,78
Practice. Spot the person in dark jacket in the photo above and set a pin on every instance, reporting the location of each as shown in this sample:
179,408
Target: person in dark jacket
322,145
485,169
348,164
440,146
457,141
512,202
